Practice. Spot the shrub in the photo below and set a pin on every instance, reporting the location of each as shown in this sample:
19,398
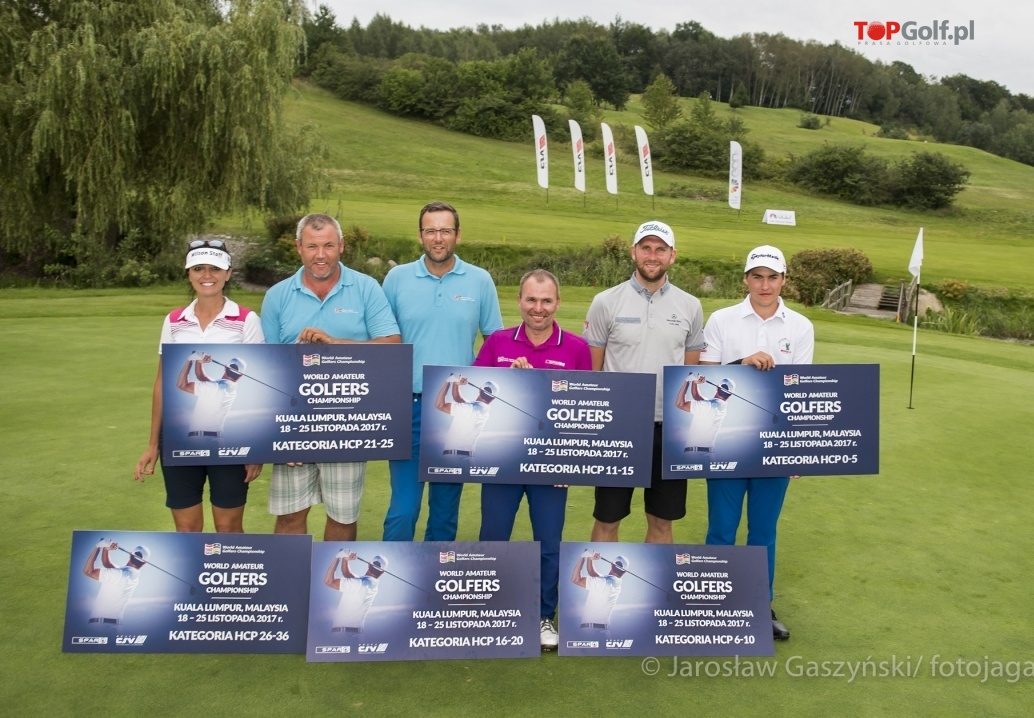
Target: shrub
926,180
954,289
892,132
809,121
813,272
842,171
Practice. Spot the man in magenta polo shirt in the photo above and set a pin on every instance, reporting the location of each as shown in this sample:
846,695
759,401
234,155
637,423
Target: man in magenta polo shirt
537,342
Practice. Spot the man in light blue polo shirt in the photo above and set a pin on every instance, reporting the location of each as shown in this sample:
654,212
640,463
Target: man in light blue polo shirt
324,302
441,304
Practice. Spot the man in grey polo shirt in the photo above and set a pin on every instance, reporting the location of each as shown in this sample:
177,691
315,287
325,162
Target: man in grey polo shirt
643,325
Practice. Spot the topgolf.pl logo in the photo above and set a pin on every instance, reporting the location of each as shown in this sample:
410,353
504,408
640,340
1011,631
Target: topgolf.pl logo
938,32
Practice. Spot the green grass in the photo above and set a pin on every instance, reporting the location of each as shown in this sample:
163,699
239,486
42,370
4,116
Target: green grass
386,168
929,557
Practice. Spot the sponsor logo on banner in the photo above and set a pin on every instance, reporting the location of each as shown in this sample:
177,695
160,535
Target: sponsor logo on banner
443,470
130,640
723,465
583,644
619,645
213,549
190,452
235,451
310,360
484,470
373,647
687,467
447,557
791,379
560,385
333,649
682,558
90,640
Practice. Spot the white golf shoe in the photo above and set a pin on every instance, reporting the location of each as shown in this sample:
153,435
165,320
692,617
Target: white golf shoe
549,637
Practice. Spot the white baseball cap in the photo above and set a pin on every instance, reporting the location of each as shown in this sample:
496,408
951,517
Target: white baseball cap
237,366
654,228
142,552
379,562
766,256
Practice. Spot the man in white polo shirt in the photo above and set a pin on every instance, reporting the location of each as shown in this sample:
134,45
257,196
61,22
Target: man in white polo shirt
761,331
643,325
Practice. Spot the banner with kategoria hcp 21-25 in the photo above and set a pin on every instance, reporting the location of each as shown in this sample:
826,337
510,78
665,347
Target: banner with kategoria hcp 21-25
734,421
275,403
533,426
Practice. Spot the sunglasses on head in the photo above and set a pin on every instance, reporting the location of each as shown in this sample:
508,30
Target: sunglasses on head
213,243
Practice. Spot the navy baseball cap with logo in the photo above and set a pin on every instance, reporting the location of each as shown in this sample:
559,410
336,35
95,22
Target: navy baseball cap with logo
654,228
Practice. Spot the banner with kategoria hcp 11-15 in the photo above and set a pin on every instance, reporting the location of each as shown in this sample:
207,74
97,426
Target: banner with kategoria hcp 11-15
278,403
533,426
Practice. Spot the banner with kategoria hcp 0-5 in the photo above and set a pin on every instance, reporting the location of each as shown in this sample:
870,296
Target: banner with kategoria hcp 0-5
733,421
279,403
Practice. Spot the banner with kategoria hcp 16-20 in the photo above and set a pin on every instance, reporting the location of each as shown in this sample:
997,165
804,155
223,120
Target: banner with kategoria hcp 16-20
279,403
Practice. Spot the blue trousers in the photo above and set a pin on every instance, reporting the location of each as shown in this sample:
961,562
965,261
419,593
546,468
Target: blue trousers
764,503
547,506
407,494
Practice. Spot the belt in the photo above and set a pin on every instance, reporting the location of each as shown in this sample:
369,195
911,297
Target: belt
604,626
458,453
205,433
114,621
346,629
701,449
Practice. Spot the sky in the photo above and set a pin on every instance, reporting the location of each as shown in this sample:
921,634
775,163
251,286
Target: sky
999,47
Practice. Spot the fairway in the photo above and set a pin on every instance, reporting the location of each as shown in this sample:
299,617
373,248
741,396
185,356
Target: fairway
908,571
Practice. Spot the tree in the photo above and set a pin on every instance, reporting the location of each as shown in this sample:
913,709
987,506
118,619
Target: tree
660,103
926,180
128,124
740,97
597,62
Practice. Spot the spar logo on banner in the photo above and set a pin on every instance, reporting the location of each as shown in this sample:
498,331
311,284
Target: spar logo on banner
937,32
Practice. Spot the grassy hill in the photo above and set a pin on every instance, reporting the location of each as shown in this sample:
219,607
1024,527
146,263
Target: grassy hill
384,168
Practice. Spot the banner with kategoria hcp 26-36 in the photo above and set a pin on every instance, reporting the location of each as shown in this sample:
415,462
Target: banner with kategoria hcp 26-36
734,421
275,403
532,426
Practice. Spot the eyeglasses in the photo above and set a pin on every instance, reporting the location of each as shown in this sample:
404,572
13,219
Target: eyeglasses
445,232
213,243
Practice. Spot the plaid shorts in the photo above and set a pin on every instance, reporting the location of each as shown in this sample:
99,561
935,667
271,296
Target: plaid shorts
337,485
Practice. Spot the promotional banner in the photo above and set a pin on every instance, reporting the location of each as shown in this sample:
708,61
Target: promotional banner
645,161
734,421
528,426
274,403
541,151
578,150
735,174
405,601
786,217
155,592
610,160
622,599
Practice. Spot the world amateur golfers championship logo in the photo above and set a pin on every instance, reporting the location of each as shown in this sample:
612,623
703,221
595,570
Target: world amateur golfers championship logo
310,360
447,557
213,549
791,379
560,385
938,32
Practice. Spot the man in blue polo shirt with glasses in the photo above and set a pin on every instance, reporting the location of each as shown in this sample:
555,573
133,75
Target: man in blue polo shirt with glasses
441,303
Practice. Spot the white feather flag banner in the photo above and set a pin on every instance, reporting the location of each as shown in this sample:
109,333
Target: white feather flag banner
645,161
578,150
541,151
610,158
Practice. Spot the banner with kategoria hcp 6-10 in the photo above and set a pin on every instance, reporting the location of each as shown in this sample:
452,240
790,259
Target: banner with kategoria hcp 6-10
277,403
533,426
734,421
